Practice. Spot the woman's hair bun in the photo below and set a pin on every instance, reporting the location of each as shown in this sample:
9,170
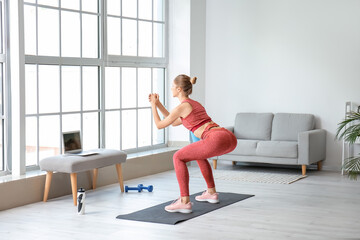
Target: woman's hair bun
193,80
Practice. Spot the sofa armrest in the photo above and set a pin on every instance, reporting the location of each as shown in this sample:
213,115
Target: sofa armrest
312,146
231,128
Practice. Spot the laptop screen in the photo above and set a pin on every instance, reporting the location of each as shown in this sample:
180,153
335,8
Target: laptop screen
72,142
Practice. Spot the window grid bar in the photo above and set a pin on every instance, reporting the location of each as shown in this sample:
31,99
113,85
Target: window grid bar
112,60
137,105
101,90
61,122
137,19
121,28
81,30
81,103
60,26
59,8
60,79
166,35
102,36
81,77
102,44
2,49
63,113
137,28
37,116
164,92
37,31
126,109
121,111
152,90
152,30
137,74
50,60
100,112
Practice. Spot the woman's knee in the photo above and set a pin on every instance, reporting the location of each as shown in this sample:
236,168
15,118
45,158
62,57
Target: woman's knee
176,157
179,157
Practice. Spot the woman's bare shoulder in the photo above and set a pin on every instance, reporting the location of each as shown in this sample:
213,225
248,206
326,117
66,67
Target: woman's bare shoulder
184,109
185,105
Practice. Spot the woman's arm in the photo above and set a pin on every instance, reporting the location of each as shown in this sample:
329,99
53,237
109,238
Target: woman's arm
177,122
163,110
171,118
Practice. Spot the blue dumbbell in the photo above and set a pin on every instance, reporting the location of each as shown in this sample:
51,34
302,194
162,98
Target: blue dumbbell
149,188
127,188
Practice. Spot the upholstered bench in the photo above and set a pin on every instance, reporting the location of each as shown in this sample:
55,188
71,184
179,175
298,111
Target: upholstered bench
74,164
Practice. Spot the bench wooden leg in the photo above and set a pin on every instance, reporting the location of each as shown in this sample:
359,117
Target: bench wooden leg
95,175
73,178
47,185
120,177
303,168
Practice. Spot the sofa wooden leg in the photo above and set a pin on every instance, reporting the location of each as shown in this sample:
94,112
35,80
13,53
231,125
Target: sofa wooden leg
303,168
233,163
47,185
319,165
95,175
214,163
120,177
73,178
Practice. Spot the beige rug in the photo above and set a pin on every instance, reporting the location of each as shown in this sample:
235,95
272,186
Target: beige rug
257,176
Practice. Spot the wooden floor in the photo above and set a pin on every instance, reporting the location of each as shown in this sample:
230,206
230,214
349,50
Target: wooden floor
325,205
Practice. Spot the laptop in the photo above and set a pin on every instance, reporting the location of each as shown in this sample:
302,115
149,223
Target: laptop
72,144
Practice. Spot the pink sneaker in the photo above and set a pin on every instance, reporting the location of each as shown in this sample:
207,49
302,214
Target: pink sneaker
178,206
207,197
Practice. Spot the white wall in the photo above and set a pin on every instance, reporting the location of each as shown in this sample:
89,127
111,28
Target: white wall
300,56
186,54
179,56
198,48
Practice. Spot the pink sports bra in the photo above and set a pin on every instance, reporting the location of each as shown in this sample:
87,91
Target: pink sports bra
197,117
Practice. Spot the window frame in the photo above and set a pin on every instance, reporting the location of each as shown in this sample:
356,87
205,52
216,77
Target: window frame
5,111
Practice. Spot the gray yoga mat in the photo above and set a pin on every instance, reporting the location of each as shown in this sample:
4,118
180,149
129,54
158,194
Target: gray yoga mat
157,214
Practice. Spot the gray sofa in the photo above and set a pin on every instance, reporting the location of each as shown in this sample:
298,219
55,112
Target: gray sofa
281,138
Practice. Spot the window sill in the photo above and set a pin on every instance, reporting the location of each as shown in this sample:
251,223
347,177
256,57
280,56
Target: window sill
130,156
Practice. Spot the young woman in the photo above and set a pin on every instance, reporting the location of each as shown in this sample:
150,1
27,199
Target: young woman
214,141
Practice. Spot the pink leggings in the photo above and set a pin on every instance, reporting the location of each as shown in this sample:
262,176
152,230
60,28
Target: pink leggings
214,142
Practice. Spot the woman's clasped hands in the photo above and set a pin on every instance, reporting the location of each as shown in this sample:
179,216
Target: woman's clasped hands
154,98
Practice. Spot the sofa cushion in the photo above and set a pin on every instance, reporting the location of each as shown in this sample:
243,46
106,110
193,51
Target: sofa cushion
245,147
286,126
254,126
277,149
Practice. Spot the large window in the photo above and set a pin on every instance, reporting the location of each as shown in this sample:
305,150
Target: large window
90,65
